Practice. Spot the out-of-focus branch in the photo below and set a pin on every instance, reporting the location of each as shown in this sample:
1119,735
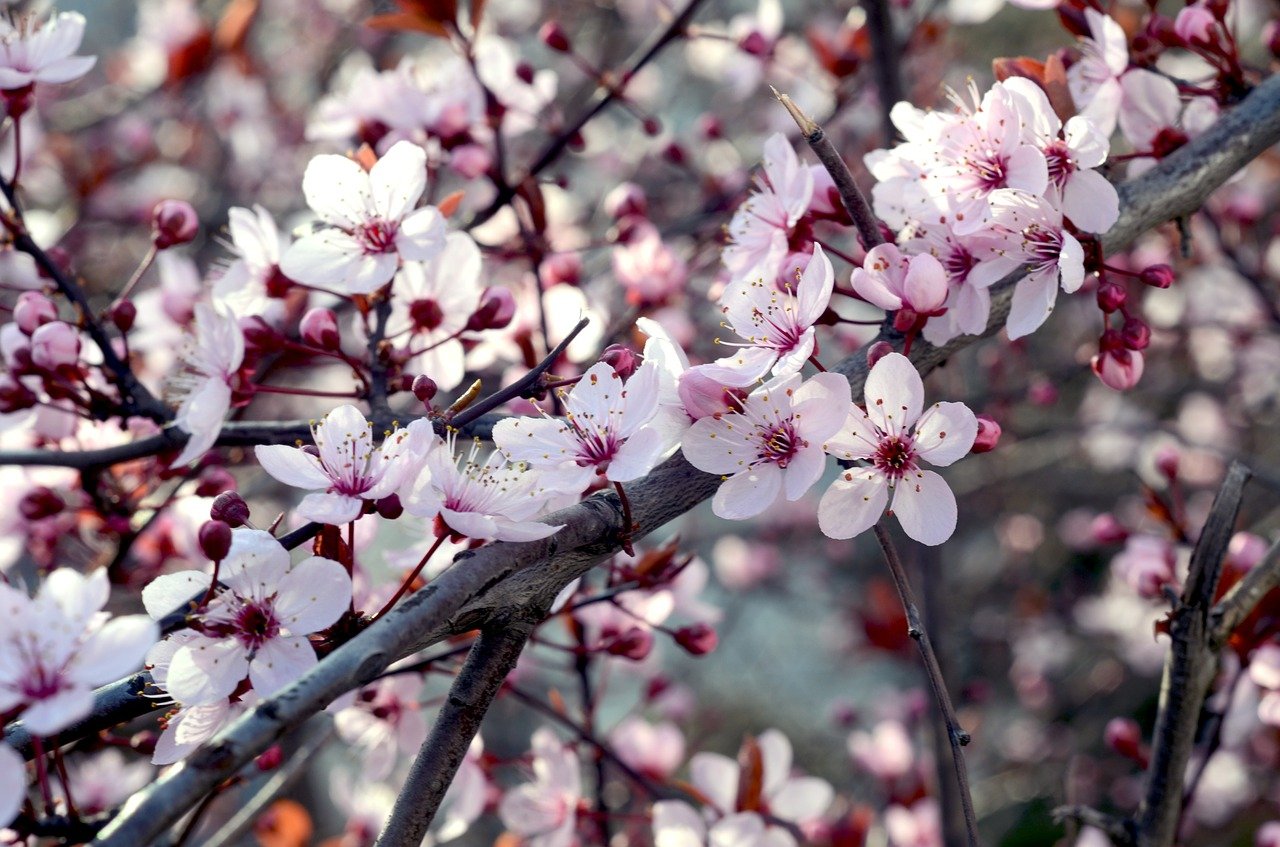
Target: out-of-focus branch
490,660
492,580
885,53
604,95
956,734
1188,671
1244,597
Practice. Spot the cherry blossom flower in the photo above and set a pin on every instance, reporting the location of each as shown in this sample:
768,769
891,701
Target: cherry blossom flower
1031,231
894,281
257,622
432,302
654,749
545,811
488,501
59,645
761,227
800,799
677,824
1146,565
892,436
253,278
347,469
917,826
1155,120
370,221
605,430
13,783
885,752
213,355
1118,367
650,271
385,719
782,320
772,446
186,727
1094,80
46,54
102,781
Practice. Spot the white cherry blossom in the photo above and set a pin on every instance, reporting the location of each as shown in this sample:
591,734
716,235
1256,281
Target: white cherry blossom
892,436
677,824
762,226
371,223
213,355
257,623
545,811
772,446
799,799
247,284
30,54
1031,231
346,469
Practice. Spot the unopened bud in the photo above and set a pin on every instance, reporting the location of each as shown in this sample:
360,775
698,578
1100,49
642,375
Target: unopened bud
497,309
988,435
55,345
389,507
1124,736
173,222
1107,529
1167,462
697,639
754,43
215,539
40,503
1271,37
123,315
1135,334
230,508
554,36
1111,296
622,359
270,759
32,310
634,644
626,200
878,351
1157,276
214,481
424,388
319,328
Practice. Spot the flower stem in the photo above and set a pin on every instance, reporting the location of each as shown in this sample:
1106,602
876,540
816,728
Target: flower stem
408,580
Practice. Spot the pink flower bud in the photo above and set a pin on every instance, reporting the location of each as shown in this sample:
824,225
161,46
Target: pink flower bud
319,328
755,43
1167,462
1119,369
1157,276
1111,296
988,435
561,268
40,503
389,507
634,644
698,639
173,222
622,359
123,315
1106,529
424,388
55,345
1245,551
1195,24
1135,334
32,310
215,539
270,758
1124,736
554,36
214,481
626,200
497,308
230,508
878,351
470,160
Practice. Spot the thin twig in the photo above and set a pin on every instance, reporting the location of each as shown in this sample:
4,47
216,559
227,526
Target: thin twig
885,52
915,628
1119,830
490,660
850,195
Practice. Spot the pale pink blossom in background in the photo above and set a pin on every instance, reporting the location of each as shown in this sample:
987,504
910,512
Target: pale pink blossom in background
917,826
648,269
1146,565
654,749
42,53
545,811
677,824
384,722
247,284
761,226
370,222
1094,81
101,781
892,436
213,355
885,752
799,799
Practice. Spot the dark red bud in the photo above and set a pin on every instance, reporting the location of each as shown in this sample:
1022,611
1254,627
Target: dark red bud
697,639
215,539
1111,342
710,128
319,328
554,36
40,503
674,154
1167,460
270,759
497,309
622,359
1111,296
230,508
1124,736
389,507
754,43
1135,334
562,268
424,388
1158,276
634,644
988,435
123,315
651,126
525,72
173,222
878,351
14,396
258,333
215,481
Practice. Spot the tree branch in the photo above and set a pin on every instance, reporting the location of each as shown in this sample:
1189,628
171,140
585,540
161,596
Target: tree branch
1244,597
490,660
885,51
502,576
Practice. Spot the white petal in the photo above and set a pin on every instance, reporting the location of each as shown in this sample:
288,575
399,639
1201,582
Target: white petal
398,179
814,291
206,670
115,650
313,595
332,509
894,393
804,469
853,503
337,189
421,235
748,493
802,799
775,756
279,662
821,405
716,777
1033,300
327,259
945,433
677,824
13,783
641,452
926,508
1090,201
292,466
51,715
716,445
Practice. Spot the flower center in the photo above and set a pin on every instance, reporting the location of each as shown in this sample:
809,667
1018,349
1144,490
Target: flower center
1043,247
256,624
1061,165
377,236
779,444
990,171
426,314
895,457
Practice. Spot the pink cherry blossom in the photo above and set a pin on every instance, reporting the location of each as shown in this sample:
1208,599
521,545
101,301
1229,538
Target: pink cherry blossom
894,281
491,500
371,223
248,283
761,227
211,359
59,645
46,53
1094,80
654,749
1146,565
55,345
885,752
1031,231
257,622
384,722
545,811
186,727
1155,119
781,319
917,826
347,469
648,269
13,783
605,430
772,446
799,799
677,824
892,436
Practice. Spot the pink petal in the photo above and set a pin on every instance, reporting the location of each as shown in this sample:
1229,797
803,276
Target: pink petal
716,445
945,433
421,236
639,455
804,469
13,783
748,493
894,393
292,466
1090,201
926,508
313,595
821,405
1033,300
853,503
816,284
280,662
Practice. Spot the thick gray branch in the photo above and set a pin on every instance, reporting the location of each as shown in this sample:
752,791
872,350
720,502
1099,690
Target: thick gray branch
505,575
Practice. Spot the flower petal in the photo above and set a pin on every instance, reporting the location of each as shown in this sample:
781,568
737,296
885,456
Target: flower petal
313,595
945,433
853,503
280,662
894,393
926,508
292,466
748,493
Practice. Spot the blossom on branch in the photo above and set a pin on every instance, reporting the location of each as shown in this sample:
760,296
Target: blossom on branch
545,811
213,356
31,54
